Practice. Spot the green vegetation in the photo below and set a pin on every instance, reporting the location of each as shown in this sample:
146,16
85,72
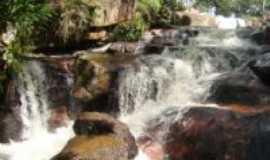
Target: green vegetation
159,12
28,18
75,19
149,14
239,7
149,8
34,22
130,31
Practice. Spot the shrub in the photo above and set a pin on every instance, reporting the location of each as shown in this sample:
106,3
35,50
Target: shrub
27,18
148,8
159,13
75,19
130,31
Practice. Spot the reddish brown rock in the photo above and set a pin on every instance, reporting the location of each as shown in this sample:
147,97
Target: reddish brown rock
207,133
58,117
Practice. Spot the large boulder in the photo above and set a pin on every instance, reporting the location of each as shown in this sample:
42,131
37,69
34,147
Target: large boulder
95,80
261,37
249,85
261,68
209,133
107,12
239,88
99,137
110,12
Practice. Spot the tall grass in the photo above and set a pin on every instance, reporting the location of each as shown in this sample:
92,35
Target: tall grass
75,19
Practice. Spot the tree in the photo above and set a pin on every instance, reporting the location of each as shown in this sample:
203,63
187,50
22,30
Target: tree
239,7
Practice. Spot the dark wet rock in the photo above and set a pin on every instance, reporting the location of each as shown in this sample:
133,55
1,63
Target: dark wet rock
257,37
11,127
261,37
155,41
10,119
96,80
59,80
208,133
58,117
261,68
239,88
99,137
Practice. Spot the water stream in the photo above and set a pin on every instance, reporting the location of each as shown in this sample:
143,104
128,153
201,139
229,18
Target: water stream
38,142
180,76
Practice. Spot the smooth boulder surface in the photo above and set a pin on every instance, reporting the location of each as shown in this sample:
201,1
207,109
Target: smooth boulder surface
99,137
210,133
261,68
239,88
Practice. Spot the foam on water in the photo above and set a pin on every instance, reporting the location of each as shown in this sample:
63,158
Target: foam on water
38,142
146,90
39,147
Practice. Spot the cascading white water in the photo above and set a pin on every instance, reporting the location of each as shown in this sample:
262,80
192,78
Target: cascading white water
38,143
150,86
34,100
157,83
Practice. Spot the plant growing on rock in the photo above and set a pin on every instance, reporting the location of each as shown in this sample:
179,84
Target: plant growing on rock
159,13
148,8
149,13
27,18
75,19
130,31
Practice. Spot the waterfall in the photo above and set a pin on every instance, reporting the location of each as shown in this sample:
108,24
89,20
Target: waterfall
180,76
38,142
34,100
171,81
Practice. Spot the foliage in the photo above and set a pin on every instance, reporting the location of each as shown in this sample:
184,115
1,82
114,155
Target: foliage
239,7
130,31
159,12
75,19
27,18
149,13
166,16
148,8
